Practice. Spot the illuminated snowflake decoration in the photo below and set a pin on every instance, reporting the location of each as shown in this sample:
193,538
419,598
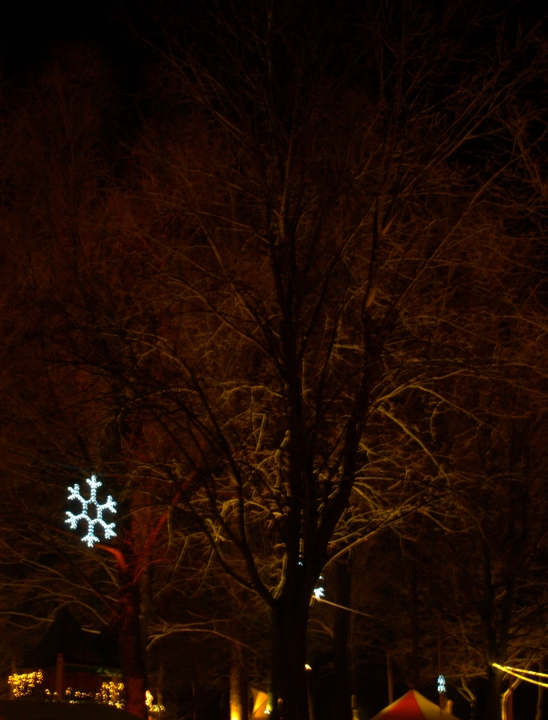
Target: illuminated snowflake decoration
441,684
110,505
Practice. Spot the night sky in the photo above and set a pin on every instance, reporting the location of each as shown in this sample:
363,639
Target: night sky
32,29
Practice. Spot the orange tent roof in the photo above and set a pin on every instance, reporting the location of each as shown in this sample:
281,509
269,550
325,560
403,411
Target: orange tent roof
259,704
413,706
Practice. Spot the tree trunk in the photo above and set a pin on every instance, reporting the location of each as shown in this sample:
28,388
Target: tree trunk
239,705
131,657
342,701
494,694
540,697
145,592
288,675
415,630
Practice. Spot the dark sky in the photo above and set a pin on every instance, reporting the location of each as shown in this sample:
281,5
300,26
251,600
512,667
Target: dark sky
31,29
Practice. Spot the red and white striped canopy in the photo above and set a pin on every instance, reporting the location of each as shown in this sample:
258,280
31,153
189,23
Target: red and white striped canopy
413,706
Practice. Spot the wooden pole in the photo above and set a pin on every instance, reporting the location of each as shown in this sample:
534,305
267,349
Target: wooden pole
540,697
390,675
443,696
13,672
59,678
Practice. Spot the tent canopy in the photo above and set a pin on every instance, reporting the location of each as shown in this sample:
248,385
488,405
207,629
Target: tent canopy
259,704
413,706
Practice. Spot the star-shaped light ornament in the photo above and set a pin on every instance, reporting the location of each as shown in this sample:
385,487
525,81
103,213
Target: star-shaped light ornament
99,509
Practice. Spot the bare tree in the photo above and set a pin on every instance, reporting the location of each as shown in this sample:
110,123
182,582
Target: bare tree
318,214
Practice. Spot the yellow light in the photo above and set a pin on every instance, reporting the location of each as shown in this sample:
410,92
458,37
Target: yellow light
149,702
521,674
109,694
23,684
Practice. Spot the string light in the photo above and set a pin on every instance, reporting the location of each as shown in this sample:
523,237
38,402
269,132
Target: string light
522,674
79,695
149,702
110,505
23,684
110,694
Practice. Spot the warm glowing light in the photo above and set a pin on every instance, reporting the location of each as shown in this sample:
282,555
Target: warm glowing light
110,505
110,694
149,701
522,674
79,695
307,667
441,684
22,684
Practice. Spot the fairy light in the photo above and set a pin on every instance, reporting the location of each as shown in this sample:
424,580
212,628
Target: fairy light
79,695
522,674
23,684
110,505
149,702
110,694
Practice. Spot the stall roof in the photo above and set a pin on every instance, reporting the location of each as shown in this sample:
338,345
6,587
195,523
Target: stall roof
413,706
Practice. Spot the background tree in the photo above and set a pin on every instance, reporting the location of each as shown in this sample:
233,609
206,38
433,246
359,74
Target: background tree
74,307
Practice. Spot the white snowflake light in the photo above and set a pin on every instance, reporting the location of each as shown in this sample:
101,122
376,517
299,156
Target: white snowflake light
73,520
441,684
